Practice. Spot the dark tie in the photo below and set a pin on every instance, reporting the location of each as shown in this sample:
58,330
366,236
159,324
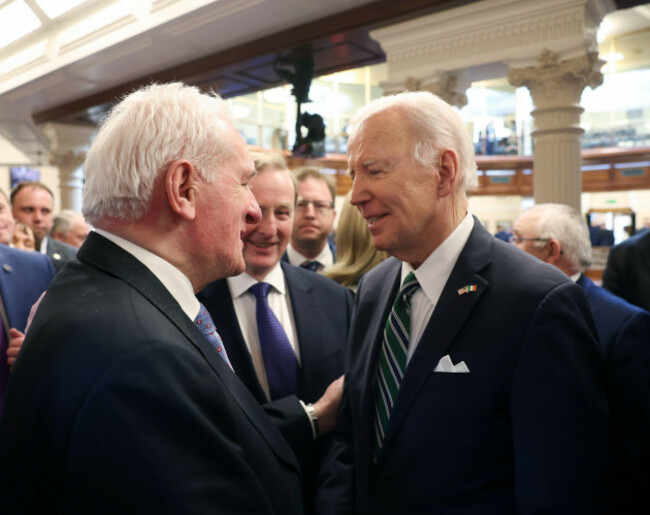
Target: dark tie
311,265
204,322
392,358
279,358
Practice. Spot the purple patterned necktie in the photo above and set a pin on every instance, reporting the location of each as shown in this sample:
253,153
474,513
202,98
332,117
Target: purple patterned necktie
314,266
279,358
204,322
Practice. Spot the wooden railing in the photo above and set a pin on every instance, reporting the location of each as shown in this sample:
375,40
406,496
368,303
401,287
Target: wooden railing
610,169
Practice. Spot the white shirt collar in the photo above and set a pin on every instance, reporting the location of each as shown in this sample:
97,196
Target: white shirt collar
325,258
241,283
176,282
436,269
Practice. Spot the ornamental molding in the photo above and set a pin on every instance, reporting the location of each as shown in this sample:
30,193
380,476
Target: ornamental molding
512,31
448,87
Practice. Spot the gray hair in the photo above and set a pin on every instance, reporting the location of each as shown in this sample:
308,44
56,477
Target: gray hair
437,126
141,136
64,220
566,225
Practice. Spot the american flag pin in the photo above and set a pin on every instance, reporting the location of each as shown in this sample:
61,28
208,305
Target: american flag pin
7,268
467,289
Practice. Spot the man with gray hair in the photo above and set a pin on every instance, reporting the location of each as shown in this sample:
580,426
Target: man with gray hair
558,235
445,408
70,227
123,399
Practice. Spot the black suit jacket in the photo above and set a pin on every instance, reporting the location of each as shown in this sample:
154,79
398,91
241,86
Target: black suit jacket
627,273
524,431
322,311
624,333
118,404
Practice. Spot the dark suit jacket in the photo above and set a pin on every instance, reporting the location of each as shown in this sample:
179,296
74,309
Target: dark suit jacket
624,332
524,431
118,404
627,273
60,253
24,276
322,311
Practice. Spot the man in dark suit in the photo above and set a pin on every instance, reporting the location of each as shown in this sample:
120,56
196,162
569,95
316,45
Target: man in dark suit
33,204
627,273
558,235
311,245
122,398
446,409
23,278
314,314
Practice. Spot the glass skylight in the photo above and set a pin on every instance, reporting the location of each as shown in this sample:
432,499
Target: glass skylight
16,21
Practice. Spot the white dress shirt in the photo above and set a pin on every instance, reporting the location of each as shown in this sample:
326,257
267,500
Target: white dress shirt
176,282
245,305
325,258
432,276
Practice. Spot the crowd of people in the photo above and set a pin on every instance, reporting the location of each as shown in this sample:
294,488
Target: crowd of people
211,346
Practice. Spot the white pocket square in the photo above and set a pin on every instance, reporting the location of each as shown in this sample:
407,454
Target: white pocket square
445,365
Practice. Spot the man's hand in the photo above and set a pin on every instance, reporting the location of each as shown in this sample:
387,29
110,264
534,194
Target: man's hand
327,407
15,343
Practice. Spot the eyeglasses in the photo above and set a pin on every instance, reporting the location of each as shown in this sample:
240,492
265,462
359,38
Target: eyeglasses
516,239
320,206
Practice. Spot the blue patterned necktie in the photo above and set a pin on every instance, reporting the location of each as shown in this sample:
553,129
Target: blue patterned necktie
204,322
392,358
314,266
279,358
4,367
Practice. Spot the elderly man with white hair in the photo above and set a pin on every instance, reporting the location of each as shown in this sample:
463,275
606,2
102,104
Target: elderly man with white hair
446,409
70,227
123,399
558,235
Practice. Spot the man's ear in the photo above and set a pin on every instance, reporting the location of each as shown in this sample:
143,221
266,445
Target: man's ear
448,172
180,185
554,251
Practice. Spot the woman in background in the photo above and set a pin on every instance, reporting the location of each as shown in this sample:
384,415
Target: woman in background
23,237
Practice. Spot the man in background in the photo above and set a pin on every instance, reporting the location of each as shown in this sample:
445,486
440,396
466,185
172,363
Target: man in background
122,399
70,227
313,224
446,409
298,362
627,273
558,235
33,204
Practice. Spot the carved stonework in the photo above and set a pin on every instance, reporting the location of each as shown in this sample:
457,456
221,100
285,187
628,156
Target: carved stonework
552,81
67,162
446,88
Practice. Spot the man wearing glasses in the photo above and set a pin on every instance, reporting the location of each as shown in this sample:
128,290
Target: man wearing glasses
314,221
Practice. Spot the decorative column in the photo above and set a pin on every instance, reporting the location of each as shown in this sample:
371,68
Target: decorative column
68,145
447,86
556,87
71,178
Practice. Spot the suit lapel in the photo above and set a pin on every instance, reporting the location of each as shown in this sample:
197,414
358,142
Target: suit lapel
103,254
385,292
447,320
218,301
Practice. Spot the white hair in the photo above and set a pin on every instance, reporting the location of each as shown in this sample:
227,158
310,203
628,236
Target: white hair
141,136
566,225
437,126
64,220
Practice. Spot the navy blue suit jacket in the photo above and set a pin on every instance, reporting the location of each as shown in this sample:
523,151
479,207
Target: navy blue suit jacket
525,431
624,332
119,404
23,277
322,311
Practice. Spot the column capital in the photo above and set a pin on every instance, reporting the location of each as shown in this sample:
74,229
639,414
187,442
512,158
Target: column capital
67,162
552,81
447,86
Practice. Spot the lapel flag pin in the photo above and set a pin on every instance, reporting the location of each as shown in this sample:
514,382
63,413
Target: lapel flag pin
467,289
7,268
